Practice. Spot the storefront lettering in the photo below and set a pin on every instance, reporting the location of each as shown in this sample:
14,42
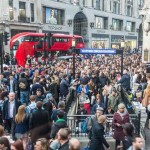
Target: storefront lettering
55,28
131,33
100,31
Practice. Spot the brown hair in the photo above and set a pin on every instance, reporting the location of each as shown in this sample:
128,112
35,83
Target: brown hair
20,115
1,130
18,145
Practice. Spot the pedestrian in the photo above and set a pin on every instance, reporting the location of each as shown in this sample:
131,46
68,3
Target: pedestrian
24,89
4,143
119,119
98,139
10,109
60,123
137,143
41,144
61,106
21,123
39,123
63,139
128,130
17,145
74,144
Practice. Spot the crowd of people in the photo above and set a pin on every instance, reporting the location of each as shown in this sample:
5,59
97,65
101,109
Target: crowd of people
33,99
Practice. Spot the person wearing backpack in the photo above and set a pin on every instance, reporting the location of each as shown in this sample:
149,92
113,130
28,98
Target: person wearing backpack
32,106
24,89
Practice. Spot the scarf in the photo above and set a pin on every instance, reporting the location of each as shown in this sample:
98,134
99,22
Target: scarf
122,114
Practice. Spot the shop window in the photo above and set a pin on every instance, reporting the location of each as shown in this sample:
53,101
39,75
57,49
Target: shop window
101,43
101,22
117,24
11,11
53,16
32,12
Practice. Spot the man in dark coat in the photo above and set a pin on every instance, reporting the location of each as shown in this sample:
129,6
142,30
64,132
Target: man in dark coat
10,109
125,80
63,136
39,123
60,123
36,86
64,85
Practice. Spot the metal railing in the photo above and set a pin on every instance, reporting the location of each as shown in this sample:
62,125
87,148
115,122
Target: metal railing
77,125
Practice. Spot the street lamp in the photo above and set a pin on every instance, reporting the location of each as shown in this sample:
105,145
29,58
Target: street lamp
73,49
122,48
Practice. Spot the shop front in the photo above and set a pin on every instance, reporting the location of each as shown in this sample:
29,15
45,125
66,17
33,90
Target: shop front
116,41
100,41
130,43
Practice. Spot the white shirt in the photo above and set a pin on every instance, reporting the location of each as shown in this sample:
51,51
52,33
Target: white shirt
134,78
11,107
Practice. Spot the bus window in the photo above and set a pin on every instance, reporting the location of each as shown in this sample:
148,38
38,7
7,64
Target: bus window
79,40
36,38
28,39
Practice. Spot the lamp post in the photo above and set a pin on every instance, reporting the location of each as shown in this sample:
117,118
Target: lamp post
73,49
122,48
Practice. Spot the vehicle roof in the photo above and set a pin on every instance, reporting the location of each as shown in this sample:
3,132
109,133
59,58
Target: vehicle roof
17,36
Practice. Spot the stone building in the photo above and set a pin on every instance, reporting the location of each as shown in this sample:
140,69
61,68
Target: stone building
102,23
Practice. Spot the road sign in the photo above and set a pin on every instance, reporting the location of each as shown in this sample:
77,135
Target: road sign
97,51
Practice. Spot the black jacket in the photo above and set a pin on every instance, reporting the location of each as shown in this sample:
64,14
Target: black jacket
60,123
125,81
98,138
25,81
5,113
35,87
64,146
104,104
39,124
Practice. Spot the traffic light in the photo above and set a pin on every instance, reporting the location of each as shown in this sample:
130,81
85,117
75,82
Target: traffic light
49,39
6,37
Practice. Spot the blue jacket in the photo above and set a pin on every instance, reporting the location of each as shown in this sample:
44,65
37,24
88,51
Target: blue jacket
79,89
125,81
64,85
22,127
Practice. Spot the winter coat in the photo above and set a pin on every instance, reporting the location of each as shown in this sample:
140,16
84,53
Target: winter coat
118,131
23,126
98,139
113,101
60,123
125,81
64,85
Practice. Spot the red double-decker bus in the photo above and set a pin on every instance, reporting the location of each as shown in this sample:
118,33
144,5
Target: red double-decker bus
23,44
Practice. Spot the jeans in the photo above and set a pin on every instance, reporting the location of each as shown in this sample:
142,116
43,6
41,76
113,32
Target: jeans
24,97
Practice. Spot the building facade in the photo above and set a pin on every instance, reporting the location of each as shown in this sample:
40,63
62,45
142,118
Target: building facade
102,23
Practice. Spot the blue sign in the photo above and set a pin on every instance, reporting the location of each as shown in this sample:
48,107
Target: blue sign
97,51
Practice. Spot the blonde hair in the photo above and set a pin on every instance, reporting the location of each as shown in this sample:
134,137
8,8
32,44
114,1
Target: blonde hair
147,90
21,114
101,119
44,143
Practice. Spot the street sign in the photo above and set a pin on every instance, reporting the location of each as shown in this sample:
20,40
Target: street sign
97,51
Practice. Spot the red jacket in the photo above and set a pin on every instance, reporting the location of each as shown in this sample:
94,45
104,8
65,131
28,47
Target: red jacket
118,131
